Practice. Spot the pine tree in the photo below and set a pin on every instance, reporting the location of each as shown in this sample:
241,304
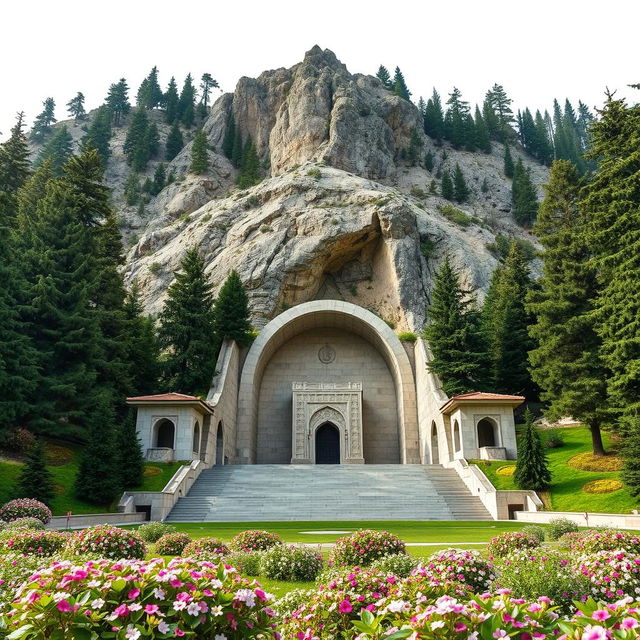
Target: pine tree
384,77
446,187
207,82
544,149
186,112
171,100
186,328
15,166
524,199
99,134
75,107
129,456
149,94
400,86
509,167
98,479
58,150
118,101
415,144
501,104
454,335
631,456
35,480
229,137
159,177
490,118
29,195
132,189
460,189
231,318
42,124
482,140
566,362
455,127
250,174
174,143
434,118
199,153
532,470
136,144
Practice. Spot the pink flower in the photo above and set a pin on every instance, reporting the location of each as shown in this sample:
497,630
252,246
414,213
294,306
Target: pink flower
121,611
63,606
345,607
460,626
594,633
601,615
629,623
133,594
151,609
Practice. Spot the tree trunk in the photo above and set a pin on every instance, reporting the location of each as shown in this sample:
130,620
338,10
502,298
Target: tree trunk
596,439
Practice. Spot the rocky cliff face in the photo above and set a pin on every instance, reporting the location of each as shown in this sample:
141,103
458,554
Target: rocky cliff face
340,214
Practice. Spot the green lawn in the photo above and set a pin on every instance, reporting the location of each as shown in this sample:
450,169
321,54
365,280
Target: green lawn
566,492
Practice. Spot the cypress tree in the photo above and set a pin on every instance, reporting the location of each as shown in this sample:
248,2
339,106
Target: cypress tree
460,189
199,153
35,480
231,318
566,362
99,134
508,162
400,86
98,479
524,200
186,112
130,459
454,335
118,101
447,185
75,107
58,149
532,471
171,100
186,328
174,143
42,124
383,75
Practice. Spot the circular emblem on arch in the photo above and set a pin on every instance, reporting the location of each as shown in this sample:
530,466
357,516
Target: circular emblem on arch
326,354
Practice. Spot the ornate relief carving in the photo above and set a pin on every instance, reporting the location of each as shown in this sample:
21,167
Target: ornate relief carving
327,354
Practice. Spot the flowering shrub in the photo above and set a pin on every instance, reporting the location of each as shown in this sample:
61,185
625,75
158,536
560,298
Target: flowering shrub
507,543
559,526
20,440
249,541
153,531
246,563
364,546
106,542
134,599
205,548
290,562
532,574
612,574
172,544
458,565
594,540
14,570
399,564
25,523
25,508
39,543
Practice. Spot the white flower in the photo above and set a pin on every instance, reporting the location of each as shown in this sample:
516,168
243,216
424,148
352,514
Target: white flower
60,595
132,633
220,636
163,627
438,624
159,593
135,607
216,611
98,603
193,609
179,605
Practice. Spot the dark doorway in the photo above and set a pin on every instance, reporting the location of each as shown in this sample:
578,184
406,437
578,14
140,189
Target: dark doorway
327,444
486,433
165,432
219,445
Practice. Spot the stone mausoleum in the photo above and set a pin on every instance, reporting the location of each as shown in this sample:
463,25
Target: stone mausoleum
326,382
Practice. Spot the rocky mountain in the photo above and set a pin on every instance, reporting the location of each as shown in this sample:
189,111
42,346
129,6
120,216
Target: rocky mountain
340,213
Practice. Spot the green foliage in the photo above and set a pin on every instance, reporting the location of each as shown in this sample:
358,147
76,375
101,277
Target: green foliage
536,531
383,75
231,312
199,157
532,471
159,177
400,86
41,128
99,134
141,143
129,456
314,173
482,140
75,107
171,100
149,93
559,526
553,438
524,200
446,186
509,167
631,456
417,192
407,336
35,479
174,142
58,150
458,124
427,248
434,117
249,165
500,247
118,101
498,101
460,190
207,82
153,531
398,564
132,189
455,215
185,111
15,166
428,161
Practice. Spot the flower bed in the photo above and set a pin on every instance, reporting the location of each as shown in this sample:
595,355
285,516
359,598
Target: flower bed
594,540
361,548
603,486
507,543
290,562
104,541
456,565
613,575
26,523
205,549
135,599
25,508
249,541
36,543
589,462
172,544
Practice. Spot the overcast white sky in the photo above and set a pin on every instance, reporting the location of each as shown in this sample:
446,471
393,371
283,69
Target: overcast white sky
538,50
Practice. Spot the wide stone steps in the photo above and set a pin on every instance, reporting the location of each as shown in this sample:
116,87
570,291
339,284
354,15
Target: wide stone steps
245,493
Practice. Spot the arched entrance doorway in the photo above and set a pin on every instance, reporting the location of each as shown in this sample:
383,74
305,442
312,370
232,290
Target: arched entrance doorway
486,433
165,434
219,445
196,439
435,454
327,444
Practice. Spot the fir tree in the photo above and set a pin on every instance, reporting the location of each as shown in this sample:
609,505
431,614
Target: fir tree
15,167
509,167
229,137
186,328
136,144
132,189
129,456
631,456
501,104
99,134
454,335
171,100
446,187
384,77
490,118
231,318
524,200
58,150
543,147
42,124
566,362
400,86
532,470
31,192
199,153
460,189
455,127
434,118
159,177
250,174
149,94
75,107
207,82
186,112
98,479
482,140
174,143
35,480
118,101
415,144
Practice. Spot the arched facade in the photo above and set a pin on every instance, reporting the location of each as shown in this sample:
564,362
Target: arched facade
219,444
164,431
195,447
488,433
327,342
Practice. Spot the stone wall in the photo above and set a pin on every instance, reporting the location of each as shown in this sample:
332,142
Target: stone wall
356,360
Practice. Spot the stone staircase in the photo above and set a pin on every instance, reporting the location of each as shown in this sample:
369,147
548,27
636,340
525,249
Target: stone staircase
270,492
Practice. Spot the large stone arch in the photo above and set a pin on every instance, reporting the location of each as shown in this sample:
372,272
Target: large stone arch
320,314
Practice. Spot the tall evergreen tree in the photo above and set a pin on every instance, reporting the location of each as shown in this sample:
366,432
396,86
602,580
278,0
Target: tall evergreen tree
99,134
118,101
501,104
186,328
132,190
434,118
544,148
229,137
250,174
199,153
42,124
446,186
532,470
400,86
383,75
171,100
454,335
231,318
207,82
509,167
174,143
491,119
31,192
460,189
137,142
566,362
159,178
57,149
186,111
455,127
129,456
524,199
35,480
15,167
75,107
481,140
149,93
631,455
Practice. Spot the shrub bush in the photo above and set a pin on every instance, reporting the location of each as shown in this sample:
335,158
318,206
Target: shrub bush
25,508
205,549
153,531
36,543
507,543
535,531
407,336
290,562
399,564
554,439
559,526
106,542
457,565
20,441
249,541
134,599
595,540
361,548
246,563
172,544
25,523
612,575
15,568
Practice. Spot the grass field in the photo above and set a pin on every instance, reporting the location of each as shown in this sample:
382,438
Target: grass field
566,492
